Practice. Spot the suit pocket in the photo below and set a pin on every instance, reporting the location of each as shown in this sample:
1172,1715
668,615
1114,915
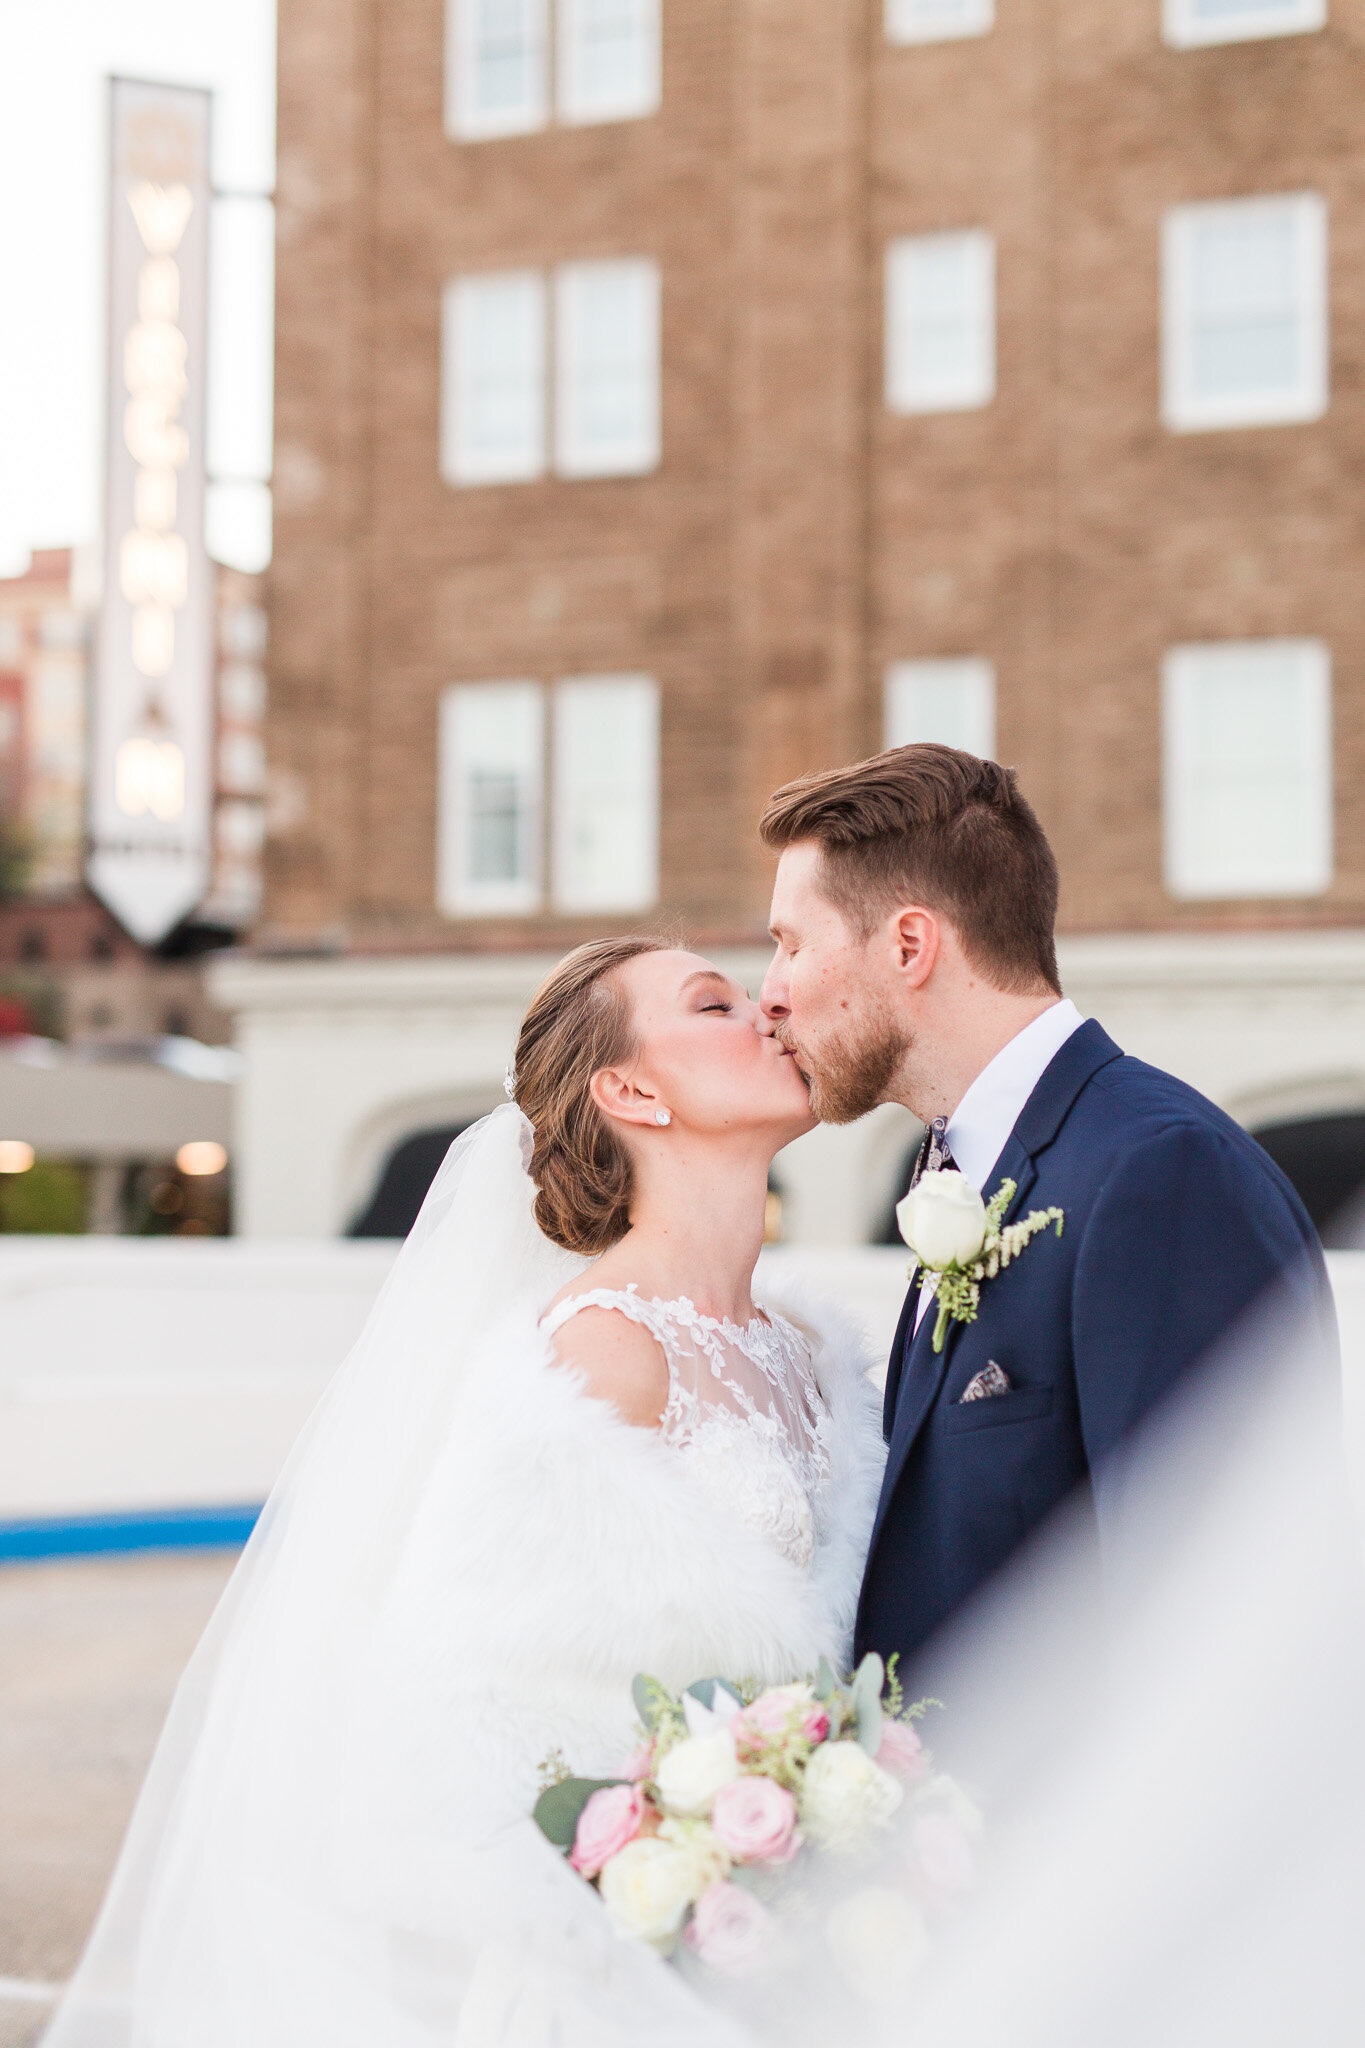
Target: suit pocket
1024,1404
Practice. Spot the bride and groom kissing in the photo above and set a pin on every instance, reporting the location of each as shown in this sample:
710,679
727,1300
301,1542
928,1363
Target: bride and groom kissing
570,1446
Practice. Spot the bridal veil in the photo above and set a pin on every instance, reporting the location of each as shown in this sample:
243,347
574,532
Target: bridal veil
265,1892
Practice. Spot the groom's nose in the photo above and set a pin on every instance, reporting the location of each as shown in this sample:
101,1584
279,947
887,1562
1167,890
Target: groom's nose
772,997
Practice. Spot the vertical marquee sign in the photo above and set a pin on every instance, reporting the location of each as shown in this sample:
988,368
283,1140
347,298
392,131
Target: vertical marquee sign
151,779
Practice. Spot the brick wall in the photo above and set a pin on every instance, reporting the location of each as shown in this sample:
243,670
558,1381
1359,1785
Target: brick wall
797,536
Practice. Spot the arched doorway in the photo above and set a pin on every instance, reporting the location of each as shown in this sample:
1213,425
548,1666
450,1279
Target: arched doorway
402,1186
1324,1157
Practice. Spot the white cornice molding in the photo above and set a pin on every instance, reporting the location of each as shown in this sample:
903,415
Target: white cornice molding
1248,962
459,983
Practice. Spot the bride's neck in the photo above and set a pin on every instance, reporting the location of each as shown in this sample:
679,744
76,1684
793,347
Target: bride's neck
697,1226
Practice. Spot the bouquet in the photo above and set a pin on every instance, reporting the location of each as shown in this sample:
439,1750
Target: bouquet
708,1843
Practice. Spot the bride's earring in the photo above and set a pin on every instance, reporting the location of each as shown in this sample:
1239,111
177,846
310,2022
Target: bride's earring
663,1116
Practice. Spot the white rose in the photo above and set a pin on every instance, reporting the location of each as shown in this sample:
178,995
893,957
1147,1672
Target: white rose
646,1889
878,1940
693,1771
943,1220
846,1795
707,1861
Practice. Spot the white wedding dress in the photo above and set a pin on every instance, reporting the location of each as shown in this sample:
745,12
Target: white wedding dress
466,1562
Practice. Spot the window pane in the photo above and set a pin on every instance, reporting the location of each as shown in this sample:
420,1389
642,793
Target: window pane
495,67
606,793
607,373
1244,316
940,322
1248,769
1245,312
951,702
489,825
1227,21
493,379
934,21
608,59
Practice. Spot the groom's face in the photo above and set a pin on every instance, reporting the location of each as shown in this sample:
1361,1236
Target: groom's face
830,996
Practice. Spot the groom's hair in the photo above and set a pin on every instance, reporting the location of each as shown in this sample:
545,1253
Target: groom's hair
929,824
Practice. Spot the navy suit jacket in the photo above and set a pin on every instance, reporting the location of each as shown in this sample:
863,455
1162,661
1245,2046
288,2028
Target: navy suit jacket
1176,1222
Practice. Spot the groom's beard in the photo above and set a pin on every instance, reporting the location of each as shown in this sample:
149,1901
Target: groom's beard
851,1073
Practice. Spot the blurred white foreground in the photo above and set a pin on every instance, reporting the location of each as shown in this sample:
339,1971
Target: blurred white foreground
1175,1802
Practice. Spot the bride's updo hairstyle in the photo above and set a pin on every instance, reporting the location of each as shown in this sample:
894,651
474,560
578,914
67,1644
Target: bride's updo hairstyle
579,1022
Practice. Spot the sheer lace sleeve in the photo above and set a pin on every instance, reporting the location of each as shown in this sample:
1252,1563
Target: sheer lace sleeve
743,1405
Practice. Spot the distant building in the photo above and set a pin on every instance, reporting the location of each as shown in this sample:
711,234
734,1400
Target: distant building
115,1104
84,975
673,398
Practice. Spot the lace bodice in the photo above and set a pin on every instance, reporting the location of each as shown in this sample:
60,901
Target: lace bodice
744,1409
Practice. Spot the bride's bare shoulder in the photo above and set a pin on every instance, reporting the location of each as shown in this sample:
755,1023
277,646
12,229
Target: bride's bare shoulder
621,1363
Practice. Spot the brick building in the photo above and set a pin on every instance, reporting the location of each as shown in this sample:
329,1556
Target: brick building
63,958
671,398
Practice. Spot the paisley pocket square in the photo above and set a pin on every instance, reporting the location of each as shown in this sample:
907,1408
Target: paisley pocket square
992,1379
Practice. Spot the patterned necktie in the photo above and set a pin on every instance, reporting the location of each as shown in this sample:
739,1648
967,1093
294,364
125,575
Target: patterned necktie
934,1156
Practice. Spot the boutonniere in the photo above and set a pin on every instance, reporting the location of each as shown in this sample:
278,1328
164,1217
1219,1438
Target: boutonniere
959,1240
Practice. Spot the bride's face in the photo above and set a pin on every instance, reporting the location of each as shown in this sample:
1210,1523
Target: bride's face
705,1055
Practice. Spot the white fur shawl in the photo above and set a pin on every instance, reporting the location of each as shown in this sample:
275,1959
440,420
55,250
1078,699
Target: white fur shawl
560,1550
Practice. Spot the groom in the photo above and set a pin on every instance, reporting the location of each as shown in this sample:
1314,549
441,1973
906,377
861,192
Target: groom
913,914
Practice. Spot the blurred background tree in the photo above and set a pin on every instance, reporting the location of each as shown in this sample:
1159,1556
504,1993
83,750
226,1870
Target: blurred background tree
16,855
51,1198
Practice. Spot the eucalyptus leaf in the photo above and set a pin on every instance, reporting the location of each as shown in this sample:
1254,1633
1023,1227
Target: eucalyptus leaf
872,1672
705,1691
826,1684
557,1810
645,1693
867,1701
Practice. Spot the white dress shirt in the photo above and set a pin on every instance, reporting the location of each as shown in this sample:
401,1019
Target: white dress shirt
979,1128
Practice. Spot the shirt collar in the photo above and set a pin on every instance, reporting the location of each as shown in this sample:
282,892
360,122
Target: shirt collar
980,1125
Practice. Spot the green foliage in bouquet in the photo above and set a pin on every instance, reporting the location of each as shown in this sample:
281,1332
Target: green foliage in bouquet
696,1847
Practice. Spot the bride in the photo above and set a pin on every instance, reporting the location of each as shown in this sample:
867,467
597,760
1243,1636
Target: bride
567,1448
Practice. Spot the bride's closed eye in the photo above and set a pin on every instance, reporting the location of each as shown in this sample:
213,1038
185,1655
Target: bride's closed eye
724,1008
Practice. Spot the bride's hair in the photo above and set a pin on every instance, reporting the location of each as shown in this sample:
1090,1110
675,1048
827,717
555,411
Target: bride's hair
579,1022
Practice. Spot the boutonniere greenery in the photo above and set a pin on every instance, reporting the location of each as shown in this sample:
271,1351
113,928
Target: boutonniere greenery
959,1240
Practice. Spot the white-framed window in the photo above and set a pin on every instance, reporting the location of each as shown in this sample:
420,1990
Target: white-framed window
1187,23
493,378
937,21
940,322
1244,312
605,812
951,702
490,831
497,67
1247,752
602,825
607,368
607,59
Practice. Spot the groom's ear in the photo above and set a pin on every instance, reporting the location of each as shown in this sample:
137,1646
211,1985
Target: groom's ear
617,1096
917,935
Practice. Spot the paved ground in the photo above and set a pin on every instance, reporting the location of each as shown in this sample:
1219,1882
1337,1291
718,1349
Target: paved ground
89,1654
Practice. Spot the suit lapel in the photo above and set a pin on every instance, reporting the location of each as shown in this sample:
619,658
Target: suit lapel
895,1364
919,1371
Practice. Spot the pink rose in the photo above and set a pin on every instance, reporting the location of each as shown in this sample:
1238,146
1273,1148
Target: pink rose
778,1712
901,1752
610,1819
729,1929
755,1820
943,1852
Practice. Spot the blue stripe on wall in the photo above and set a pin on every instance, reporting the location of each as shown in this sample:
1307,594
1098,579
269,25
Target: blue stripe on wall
150,1529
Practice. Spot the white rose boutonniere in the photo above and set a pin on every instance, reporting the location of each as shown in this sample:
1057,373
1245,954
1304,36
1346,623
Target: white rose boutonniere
959,1240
